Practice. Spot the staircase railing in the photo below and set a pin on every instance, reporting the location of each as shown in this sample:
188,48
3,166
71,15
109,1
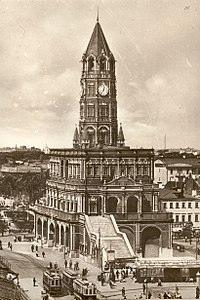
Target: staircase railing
123,235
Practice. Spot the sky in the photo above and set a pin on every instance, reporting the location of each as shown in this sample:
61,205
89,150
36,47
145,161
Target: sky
156,44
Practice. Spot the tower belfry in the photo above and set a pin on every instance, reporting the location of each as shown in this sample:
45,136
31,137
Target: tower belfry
98,105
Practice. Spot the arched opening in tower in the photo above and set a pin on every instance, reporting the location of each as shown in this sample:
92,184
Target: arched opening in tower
90,64
102,64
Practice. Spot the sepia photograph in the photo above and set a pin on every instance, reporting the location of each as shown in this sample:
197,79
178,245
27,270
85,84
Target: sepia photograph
99,149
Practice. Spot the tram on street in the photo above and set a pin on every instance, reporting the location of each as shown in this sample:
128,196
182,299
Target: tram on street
84,290
52,281
68,277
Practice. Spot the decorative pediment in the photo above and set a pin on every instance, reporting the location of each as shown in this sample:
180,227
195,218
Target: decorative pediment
123,181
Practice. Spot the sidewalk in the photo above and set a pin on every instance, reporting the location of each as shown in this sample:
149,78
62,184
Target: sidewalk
34,292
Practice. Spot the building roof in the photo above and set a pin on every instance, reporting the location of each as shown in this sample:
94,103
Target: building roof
167,194
98,44
181,162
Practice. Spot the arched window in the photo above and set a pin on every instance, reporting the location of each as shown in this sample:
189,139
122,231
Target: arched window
102,63
90,64
104,136
112,65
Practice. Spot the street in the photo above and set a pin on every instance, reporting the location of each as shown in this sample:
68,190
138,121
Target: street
24,262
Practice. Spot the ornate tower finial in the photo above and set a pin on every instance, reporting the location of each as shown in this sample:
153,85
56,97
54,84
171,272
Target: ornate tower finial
97,13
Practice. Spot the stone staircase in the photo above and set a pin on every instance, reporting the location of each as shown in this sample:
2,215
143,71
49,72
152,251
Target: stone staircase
110,236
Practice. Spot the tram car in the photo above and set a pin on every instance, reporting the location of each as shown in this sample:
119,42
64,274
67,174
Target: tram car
84,290
68,277
52,281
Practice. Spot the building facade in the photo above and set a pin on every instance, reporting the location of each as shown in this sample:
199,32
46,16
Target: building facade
175,169
101,177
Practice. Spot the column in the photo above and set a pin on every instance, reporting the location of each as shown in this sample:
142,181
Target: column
35,225
84,240
59,237
156,202
140,204
65,233
42,235
64,170
118,167
104,204
71,230
101,169
137,237
48,229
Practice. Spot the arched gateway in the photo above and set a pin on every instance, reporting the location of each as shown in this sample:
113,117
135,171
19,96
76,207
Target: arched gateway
151,242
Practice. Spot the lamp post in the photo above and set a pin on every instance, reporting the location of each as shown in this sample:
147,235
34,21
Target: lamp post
197,243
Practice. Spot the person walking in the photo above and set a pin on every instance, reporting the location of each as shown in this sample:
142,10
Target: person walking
34,281
8,245
123,292
70,264
65,263
144,288
176,288
11,246
197,292
43,254
32,247
36,248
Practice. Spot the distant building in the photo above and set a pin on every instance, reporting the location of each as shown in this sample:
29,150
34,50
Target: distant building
175,169
22,169
184,207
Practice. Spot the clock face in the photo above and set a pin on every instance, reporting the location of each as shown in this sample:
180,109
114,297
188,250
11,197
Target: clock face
103,89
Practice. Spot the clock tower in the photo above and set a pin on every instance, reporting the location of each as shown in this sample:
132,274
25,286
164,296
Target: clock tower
98,105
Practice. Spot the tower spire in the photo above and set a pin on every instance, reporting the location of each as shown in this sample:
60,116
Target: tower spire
97,13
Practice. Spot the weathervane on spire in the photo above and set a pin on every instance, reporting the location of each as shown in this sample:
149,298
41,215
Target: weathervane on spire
97,13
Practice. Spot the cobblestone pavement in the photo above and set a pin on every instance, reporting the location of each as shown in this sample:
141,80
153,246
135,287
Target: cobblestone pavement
133,290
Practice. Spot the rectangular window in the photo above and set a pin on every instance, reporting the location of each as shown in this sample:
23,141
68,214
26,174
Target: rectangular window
177,218
164,205
196,204
189,218
90,170
105,170
104,110
146,170
189,205
177,204
183,205
196,218
90,90
171,205
183,218
96,171
90,110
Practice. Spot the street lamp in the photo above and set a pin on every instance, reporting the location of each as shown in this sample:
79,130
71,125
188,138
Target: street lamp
197,235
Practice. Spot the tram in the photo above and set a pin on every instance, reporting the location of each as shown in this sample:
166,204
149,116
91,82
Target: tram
52,281
84,290
68,277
